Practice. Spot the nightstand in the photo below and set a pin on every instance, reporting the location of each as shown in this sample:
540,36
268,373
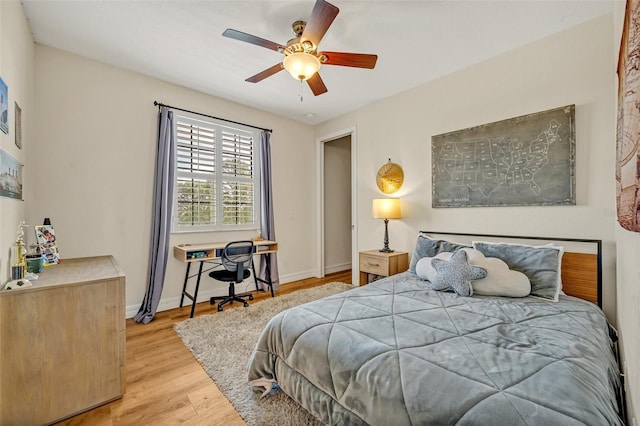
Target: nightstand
383,264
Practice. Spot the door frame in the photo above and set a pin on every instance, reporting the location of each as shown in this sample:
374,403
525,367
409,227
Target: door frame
320,261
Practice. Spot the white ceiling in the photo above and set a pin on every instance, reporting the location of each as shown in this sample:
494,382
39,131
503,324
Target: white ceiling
416,41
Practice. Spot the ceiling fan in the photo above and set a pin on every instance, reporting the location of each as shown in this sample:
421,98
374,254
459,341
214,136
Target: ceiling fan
301,56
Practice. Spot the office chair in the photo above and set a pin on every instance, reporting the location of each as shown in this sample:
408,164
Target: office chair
237,259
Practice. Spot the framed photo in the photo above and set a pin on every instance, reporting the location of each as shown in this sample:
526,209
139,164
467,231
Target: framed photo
522,161
46,239
628,126
4,107
18,125
10,176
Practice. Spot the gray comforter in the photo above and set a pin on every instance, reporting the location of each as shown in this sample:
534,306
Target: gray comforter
395,352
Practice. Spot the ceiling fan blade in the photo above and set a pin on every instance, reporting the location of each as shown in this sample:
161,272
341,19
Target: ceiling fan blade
322,16
248,38
357,60
266,73
317,85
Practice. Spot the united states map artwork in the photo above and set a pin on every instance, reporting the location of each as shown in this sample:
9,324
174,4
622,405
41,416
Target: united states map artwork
522,161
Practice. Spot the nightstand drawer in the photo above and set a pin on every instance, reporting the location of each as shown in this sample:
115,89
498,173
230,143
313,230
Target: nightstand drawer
374,264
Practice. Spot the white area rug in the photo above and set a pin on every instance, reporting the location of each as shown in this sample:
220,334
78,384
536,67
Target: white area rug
223,342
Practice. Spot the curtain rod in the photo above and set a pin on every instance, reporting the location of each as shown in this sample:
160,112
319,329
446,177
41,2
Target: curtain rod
158,104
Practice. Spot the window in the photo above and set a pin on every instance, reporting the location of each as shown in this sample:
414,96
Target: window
217,176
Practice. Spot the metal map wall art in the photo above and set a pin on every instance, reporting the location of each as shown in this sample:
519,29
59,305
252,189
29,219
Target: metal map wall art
523,161
628,131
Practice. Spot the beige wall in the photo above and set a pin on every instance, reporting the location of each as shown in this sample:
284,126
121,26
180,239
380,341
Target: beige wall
16,69
628,244
93,175
337,204
553,72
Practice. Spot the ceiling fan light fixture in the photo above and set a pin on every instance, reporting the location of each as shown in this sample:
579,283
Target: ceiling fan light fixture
301,57
301,65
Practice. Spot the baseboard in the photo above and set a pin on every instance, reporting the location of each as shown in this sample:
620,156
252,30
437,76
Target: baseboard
288,278
174,302
337,268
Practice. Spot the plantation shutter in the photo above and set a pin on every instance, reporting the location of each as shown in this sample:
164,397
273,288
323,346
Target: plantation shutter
195,162
238,173
217,180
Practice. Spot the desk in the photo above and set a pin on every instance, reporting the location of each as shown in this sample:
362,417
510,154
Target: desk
211,252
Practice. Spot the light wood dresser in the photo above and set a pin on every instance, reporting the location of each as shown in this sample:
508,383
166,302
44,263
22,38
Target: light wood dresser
62,342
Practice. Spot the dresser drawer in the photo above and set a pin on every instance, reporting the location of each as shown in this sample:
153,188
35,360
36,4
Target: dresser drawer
374,264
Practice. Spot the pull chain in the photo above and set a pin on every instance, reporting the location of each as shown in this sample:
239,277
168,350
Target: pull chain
300,91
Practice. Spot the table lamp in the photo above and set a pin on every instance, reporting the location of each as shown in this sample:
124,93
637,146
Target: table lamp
386,208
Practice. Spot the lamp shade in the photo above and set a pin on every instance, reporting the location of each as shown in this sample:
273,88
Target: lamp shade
301,65
386,208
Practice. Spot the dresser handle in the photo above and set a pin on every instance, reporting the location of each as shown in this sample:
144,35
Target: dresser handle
372,264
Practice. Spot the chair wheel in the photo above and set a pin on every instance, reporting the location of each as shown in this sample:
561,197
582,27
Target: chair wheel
219,308
251,297
246,305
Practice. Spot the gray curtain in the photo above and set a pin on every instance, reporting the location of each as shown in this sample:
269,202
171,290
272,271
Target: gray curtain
266,214
161,225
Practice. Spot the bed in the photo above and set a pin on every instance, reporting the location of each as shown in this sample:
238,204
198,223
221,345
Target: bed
398,352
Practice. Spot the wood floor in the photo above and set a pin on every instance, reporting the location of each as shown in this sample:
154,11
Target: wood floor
165,384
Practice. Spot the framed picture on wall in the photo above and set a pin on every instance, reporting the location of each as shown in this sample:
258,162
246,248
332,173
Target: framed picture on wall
17,129
10,176
628,126
521,161
4,107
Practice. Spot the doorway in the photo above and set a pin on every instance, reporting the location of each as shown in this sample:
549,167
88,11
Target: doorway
336,201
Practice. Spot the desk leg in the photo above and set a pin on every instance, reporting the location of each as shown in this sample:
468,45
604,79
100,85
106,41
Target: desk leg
268,271
195,294
264,258
184,286
255,275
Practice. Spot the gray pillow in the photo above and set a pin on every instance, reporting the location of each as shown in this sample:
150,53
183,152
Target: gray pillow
456,274
541,264
429,247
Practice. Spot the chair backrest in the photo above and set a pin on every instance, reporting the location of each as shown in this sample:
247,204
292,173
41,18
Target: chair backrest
237,256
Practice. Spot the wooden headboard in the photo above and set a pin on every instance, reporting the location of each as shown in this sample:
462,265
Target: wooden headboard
581,272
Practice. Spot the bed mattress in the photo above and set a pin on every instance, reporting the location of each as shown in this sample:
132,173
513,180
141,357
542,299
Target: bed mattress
396,352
